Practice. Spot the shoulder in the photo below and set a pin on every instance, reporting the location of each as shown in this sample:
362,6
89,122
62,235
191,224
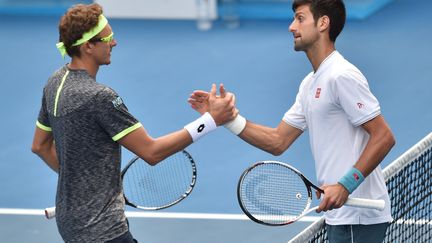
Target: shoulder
56,76
307,78
343,70
105,92
107,95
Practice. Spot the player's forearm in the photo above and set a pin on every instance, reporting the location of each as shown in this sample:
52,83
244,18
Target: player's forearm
169,144
380,142
264,138
154,150
378,146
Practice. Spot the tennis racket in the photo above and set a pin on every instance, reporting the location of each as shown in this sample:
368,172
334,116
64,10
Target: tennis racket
274,193
156,187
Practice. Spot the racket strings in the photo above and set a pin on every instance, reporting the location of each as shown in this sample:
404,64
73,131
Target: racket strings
158,186
274,194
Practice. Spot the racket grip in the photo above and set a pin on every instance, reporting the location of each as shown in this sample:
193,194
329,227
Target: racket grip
366,203
50,212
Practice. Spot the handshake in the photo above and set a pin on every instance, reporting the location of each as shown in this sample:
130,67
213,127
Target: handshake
221,108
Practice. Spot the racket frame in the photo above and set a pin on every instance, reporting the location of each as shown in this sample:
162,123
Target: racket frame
376,204
307,183
183,196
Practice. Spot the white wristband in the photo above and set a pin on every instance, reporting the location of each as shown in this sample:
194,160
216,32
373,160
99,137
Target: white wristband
237,125
201,126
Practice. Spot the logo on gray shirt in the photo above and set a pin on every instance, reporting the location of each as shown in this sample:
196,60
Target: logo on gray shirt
117,102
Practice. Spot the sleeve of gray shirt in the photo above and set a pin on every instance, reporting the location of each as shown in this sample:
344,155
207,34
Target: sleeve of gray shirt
113,115
43,117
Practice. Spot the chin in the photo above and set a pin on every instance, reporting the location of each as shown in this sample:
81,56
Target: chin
299,48
106,63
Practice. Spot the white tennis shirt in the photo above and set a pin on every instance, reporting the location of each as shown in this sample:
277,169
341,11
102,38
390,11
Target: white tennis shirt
333,103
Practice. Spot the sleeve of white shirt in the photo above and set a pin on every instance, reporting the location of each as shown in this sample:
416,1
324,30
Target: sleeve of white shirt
355,97
295,116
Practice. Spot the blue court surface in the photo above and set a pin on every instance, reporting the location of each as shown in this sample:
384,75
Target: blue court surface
155,67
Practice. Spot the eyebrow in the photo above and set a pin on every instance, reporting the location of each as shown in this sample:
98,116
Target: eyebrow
299,13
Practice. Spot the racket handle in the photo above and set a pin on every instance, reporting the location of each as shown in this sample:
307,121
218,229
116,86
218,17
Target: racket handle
366,203
50,212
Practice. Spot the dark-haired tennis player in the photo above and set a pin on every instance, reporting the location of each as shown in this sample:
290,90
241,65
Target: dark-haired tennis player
82,124
348,135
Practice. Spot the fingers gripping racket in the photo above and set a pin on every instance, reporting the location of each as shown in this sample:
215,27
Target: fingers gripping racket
156,187
274,193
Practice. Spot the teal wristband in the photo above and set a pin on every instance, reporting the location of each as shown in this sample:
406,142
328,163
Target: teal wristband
352,179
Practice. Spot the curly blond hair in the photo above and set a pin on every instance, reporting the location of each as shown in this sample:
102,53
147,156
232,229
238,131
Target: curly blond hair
78,20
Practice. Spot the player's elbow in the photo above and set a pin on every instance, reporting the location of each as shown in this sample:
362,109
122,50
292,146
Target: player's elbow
279,147
37,149
276,150
279,144
152,159
385,140
43,147
390,139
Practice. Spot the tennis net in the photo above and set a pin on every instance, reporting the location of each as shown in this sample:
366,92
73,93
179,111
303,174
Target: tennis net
409,184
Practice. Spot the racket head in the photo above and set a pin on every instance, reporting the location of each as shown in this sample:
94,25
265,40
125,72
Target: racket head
273,193
160,186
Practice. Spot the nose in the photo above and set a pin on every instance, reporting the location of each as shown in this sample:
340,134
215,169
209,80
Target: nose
113,42
291,28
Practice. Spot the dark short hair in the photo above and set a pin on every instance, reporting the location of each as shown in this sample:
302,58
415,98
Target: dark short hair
334,9
78,20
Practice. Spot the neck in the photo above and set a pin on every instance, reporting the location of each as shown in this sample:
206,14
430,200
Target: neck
79,63
317,54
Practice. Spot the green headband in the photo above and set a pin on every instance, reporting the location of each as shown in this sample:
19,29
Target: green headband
86,36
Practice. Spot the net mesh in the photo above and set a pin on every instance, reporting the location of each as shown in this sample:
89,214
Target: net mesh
409,186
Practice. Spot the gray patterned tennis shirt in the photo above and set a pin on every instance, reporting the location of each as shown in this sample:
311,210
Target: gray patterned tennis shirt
86,119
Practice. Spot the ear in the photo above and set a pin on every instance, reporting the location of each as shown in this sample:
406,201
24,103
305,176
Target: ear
87,47
324,23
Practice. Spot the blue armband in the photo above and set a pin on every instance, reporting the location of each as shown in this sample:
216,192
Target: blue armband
352,179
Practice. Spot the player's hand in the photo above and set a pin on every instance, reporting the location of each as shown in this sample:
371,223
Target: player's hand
335,196
199,101
221,108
